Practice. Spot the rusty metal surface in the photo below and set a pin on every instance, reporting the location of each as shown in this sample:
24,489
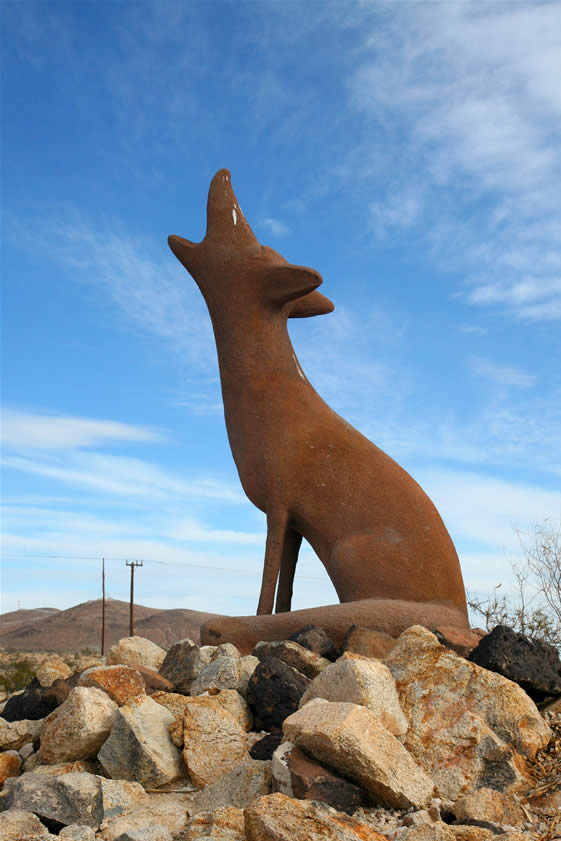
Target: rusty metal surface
316,477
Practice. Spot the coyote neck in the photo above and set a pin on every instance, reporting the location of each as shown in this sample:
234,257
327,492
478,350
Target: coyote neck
261,378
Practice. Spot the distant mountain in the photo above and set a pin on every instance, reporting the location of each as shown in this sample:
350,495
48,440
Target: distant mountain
17,617
79,627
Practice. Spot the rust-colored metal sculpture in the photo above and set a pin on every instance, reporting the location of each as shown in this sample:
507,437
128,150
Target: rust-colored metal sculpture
377,533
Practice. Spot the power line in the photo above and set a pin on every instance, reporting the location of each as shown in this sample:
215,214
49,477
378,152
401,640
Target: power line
96,558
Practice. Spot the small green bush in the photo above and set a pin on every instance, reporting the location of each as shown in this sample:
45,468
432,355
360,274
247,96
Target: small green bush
17,676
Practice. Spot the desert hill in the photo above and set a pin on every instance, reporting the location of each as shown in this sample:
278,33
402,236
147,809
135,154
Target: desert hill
79,627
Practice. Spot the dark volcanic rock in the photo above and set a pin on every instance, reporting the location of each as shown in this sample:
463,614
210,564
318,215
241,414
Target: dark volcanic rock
273,693
38,701
533,665
311,781
29,704
315,638
265,747
182,665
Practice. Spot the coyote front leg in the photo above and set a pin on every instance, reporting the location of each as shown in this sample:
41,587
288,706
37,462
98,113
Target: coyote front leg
277,525
287,568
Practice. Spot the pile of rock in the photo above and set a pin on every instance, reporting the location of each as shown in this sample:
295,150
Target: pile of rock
291,743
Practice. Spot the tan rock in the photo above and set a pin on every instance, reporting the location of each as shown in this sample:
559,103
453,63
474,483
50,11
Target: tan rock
437,831
21,825
352,740
15,734
78,767
77,832
465,722
249,664
367,642
464,832
357,680
163,817
72,798
136,650
214,743
277,817
460,640
224,824
223,672
78,728
139,747
237,706
486,804
293,654
10,765
118,682
52,669
176,732
239,787
172,701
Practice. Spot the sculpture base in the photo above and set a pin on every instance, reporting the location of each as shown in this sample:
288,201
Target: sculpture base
390,615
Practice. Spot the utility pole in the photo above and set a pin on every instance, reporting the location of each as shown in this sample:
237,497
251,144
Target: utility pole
132,565
103,606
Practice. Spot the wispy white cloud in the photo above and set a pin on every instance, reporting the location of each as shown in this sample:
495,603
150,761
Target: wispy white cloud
130,477
42,431
505,375
468,94
274,226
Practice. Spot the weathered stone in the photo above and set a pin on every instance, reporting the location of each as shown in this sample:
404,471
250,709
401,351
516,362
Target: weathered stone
118,682
21,825
139,747
465,832
78,728
460,640
358,680
465,723
273,692
237,706
224,824
153,681
183,662
51,670
307,662
352,740
10,765
315,639
26,750
165,816
240,787
224,672
532,664
15,734
175,702
438,831
249,664
77,832
176,732
71,798
486,804
368,643
280,818
297,775
264,748
131,651
214,743
77,767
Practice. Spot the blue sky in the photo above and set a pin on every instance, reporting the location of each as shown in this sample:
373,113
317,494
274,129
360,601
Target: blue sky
407,151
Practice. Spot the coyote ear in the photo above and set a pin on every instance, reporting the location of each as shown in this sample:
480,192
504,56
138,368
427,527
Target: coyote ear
314,303
284,283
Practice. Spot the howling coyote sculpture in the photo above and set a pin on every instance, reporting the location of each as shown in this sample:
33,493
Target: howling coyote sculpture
379,536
